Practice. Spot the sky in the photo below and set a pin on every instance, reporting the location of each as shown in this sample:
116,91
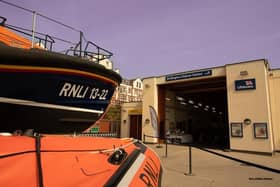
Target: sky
159,37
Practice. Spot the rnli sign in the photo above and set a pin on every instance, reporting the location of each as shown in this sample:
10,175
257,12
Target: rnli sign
189,75
246,84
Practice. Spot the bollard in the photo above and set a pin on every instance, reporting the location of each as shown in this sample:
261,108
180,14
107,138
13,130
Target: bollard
165,147
190,162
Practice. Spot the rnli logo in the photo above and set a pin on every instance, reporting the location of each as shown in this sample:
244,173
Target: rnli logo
150,174
247,84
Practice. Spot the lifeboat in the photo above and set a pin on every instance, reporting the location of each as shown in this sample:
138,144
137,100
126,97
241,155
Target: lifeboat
43,94
51,92
63,161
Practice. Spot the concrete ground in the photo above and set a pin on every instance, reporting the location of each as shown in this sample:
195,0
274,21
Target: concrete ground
211,170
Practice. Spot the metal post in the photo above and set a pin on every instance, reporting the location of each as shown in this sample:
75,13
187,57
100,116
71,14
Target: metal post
165,147
81,38
190,162
144,138
98,55
33,28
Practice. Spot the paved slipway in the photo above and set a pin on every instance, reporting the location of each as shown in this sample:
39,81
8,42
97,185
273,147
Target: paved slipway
211,170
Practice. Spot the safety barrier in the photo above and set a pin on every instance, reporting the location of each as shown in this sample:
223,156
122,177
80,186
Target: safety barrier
212,152
237,160
165,141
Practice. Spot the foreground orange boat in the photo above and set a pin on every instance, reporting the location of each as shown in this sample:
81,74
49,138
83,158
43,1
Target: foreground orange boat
76,161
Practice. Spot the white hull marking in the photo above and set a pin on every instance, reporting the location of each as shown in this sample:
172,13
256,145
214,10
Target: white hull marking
46,105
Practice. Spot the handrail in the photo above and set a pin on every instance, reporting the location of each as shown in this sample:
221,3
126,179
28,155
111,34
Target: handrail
46,38
98,56
98,47
48,41
3,20
98,134
108,54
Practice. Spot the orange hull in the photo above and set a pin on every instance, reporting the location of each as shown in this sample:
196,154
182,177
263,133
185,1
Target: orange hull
76,161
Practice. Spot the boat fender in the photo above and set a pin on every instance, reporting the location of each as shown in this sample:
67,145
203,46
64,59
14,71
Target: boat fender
117,157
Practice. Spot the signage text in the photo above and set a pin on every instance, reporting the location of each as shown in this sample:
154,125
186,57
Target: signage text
179,76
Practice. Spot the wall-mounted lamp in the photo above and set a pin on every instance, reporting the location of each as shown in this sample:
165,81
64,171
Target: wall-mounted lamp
124,121
244,73
147,121
247,121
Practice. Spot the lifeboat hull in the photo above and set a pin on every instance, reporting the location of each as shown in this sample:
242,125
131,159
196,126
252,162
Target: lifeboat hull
76,161
51,92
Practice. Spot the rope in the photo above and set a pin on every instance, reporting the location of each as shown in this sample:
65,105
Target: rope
152,136
238,160
56,151
39,161
230,158
14,5
39,14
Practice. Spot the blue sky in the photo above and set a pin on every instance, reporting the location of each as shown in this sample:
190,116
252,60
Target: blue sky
157,37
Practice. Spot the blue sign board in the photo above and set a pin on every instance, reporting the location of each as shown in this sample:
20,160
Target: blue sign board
246,84
179,76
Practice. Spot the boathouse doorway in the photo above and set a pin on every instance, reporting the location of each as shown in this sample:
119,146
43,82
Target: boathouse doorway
195,111
136,126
